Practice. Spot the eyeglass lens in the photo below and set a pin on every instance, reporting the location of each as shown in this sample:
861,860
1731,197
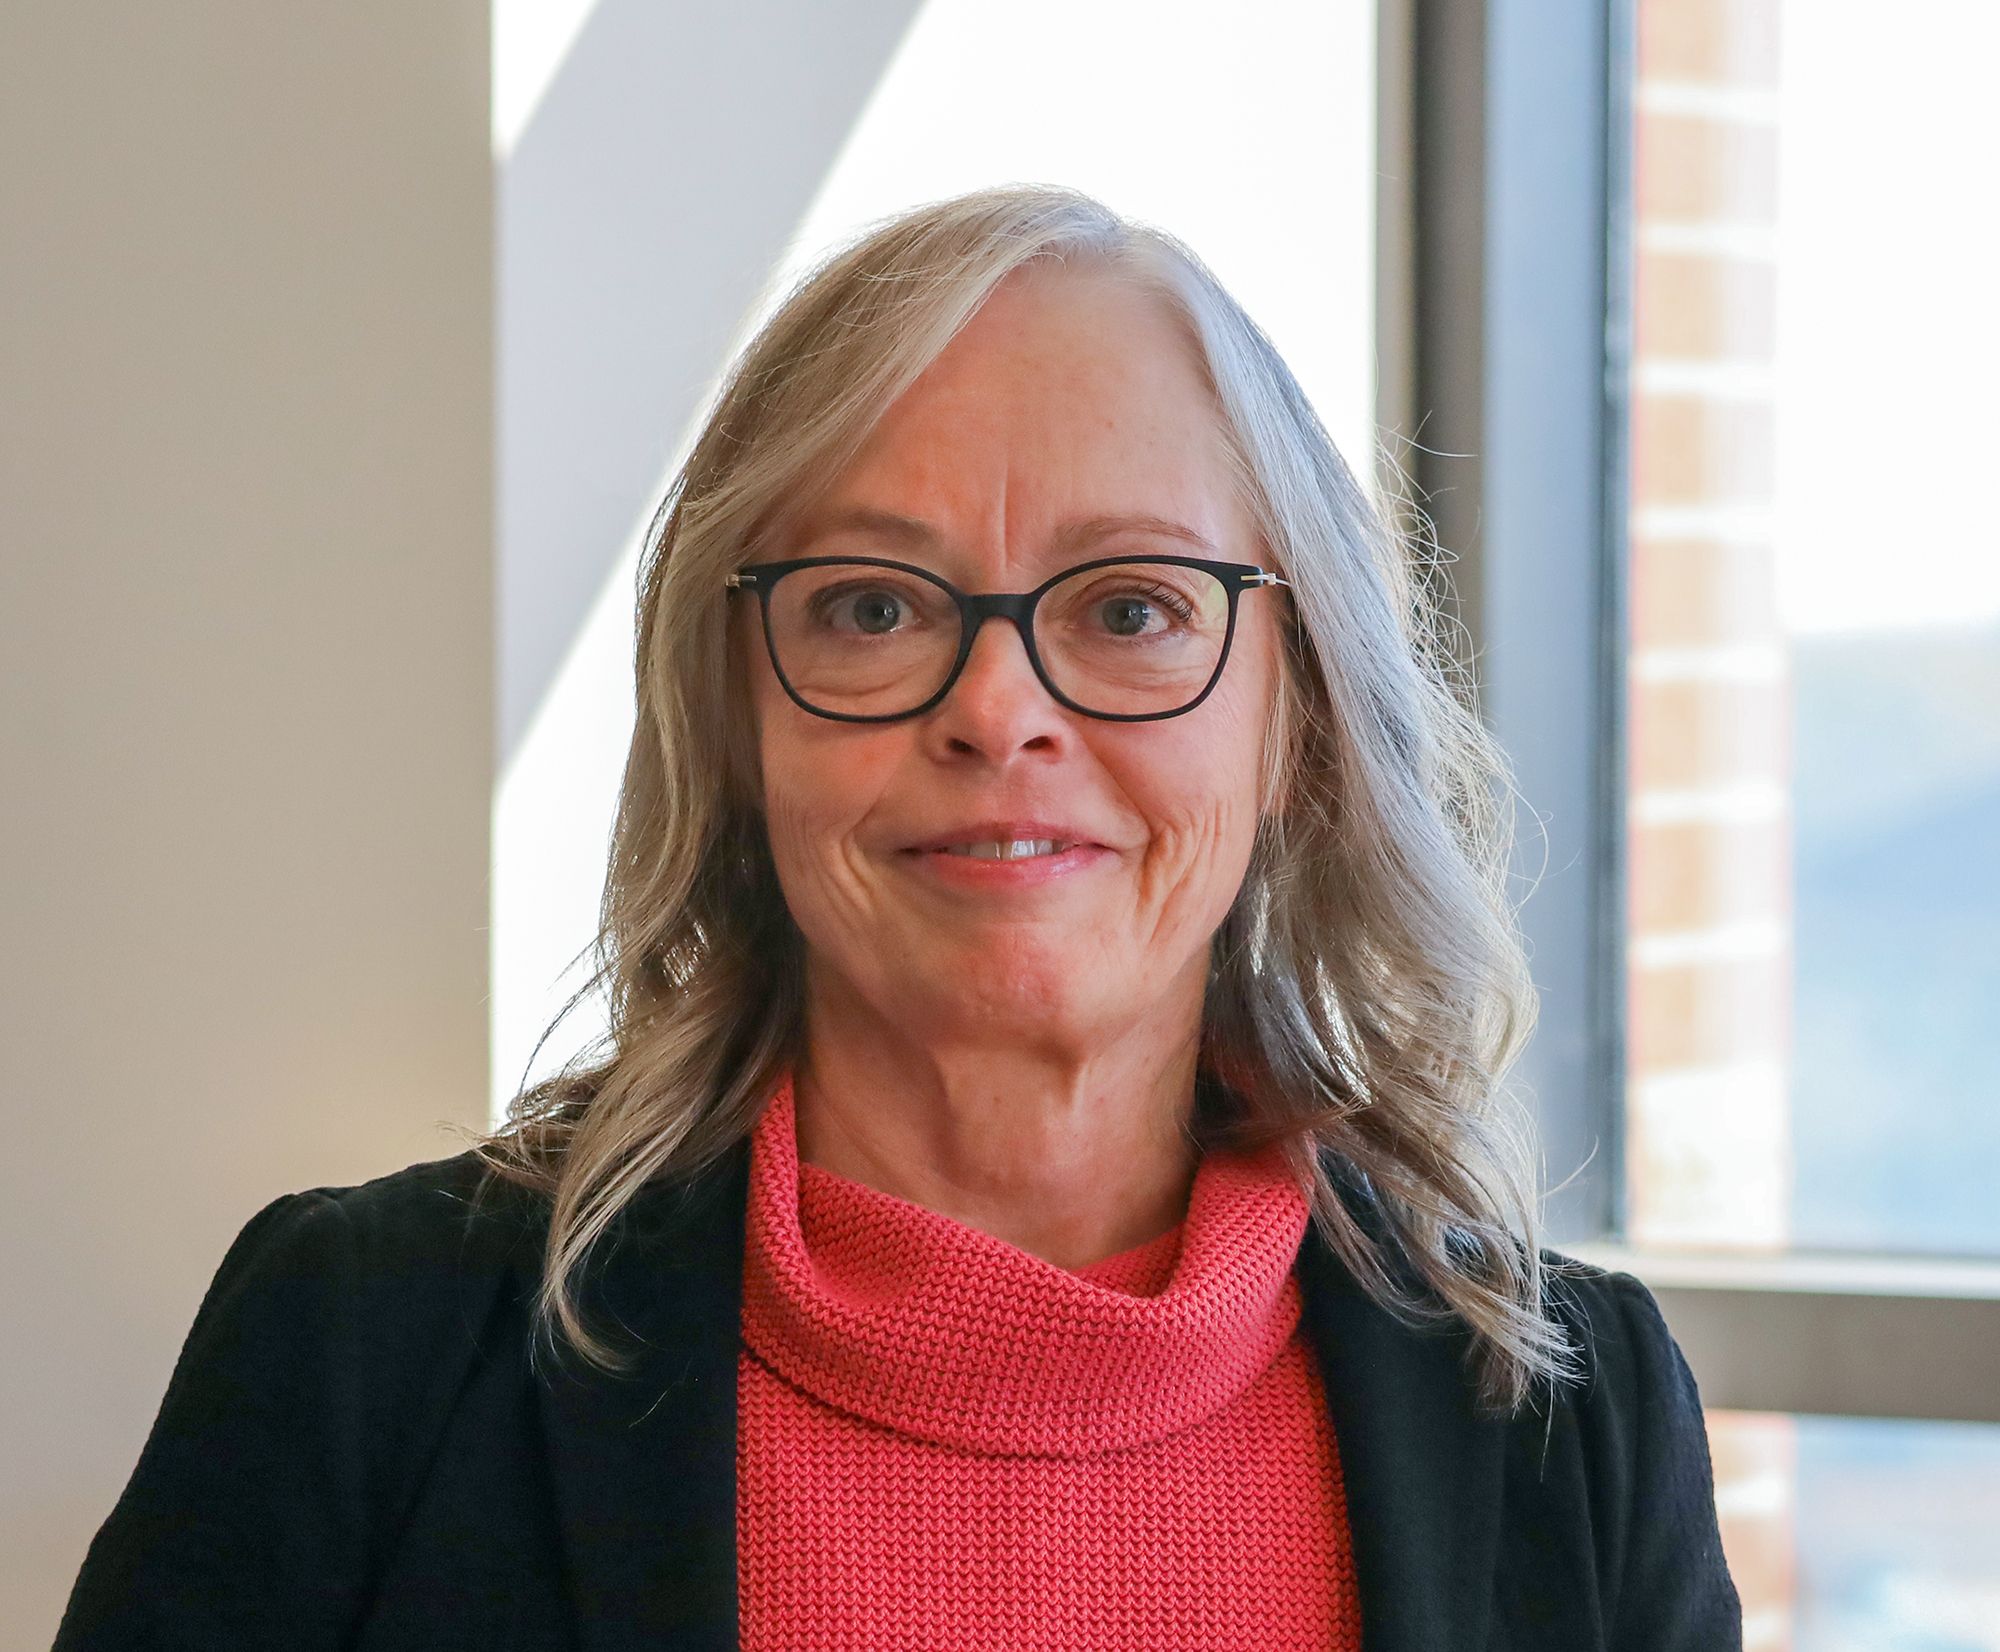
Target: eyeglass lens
1133,638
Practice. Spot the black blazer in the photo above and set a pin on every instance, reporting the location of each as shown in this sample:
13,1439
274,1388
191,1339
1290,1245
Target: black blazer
354,1452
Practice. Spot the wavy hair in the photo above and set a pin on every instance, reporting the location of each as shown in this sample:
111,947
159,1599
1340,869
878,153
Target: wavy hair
1368,990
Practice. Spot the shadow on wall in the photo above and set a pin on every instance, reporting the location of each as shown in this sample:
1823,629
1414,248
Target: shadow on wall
663,174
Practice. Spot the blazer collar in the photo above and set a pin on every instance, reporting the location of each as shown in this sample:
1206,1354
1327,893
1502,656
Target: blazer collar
644,1466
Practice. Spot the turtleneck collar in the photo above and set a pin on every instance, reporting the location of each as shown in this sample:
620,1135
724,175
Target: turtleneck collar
920,1323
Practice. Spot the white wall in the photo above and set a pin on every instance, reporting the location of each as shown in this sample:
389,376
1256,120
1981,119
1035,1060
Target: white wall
246,700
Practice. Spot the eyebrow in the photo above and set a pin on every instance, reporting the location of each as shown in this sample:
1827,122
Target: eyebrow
1071,537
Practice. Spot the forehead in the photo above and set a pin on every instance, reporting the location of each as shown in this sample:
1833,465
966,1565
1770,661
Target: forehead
1071,398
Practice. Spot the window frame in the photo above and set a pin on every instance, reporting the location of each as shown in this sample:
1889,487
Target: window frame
1505,344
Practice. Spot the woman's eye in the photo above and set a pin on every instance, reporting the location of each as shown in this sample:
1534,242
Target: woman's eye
1134,613
1125,616
877,611
871,611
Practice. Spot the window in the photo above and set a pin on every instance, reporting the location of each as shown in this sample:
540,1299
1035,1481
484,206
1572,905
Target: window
1701,362
1813,672
1813,762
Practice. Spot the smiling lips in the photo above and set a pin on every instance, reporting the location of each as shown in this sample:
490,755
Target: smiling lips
1019,849
1006,840
1006,864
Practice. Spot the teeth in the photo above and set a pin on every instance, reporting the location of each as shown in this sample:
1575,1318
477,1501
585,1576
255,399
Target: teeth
1020,849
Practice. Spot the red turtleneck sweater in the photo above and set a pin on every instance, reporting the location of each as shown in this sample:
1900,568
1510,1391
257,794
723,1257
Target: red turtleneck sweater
944,1441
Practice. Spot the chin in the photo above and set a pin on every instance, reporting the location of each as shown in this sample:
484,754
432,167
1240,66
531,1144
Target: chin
1004,982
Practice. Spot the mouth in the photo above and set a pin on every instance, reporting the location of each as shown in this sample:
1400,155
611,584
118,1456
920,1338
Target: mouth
1007,848
1006,840
1007,854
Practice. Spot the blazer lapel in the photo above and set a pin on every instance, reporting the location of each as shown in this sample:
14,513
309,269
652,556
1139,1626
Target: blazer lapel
1422,1472
644,1465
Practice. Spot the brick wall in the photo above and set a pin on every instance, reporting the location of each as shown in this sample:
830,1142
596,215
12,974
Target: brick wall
1710,955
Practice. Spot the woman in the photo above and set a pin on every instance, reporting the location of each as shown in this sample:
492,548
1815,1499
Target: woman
1047,1182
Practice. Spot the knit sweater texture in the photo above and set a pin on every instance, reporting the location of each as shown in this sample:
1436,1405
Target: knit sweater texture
945,1441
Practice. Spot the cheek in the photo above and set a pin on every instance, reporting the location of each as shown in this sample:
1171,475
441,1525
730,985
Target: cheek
809,795
1207,828
1201,829
1199,792
819,790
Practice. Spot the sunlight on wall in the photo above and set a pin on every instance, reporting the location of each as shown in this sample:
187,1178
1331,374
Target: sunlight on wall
1254,142
530,40
552,816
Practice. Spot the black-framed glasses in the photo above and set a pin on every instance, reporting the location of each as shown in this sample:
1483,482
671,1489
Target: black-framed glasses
1129,639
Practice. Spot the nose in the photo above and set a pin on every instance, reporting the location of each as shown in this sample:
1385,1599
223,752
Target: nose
998,705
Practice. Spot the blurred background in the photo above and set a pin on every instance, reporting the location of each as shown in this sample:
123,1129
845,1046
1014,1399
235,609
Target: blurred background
345,352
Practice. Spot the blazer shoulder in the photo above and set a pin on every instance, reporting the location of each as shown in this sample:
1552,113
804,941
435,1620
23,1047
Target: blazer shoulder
338,1276
1629,1368
1615,1322
333,1343
1637,1418
455,1208
1581,1293
366,1301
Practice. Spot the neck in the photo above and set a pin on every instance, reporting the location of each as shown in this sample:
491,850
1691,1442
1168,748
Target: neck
1071,1157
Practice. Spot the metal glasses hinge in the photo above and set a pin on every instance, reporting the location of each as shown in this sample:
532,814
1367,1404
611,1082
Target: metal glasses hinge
738,581
1265,578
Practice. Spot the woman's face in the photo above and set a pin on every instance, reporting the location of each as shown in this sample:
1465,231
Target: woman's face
1068,397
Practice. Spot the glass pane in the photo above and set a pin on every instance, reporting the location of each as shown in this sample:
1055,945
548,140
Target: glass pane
1859,1534
1814,780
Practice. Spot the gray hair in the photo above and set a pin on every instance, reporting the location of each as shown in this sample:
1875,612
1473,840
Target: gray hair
1368,990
